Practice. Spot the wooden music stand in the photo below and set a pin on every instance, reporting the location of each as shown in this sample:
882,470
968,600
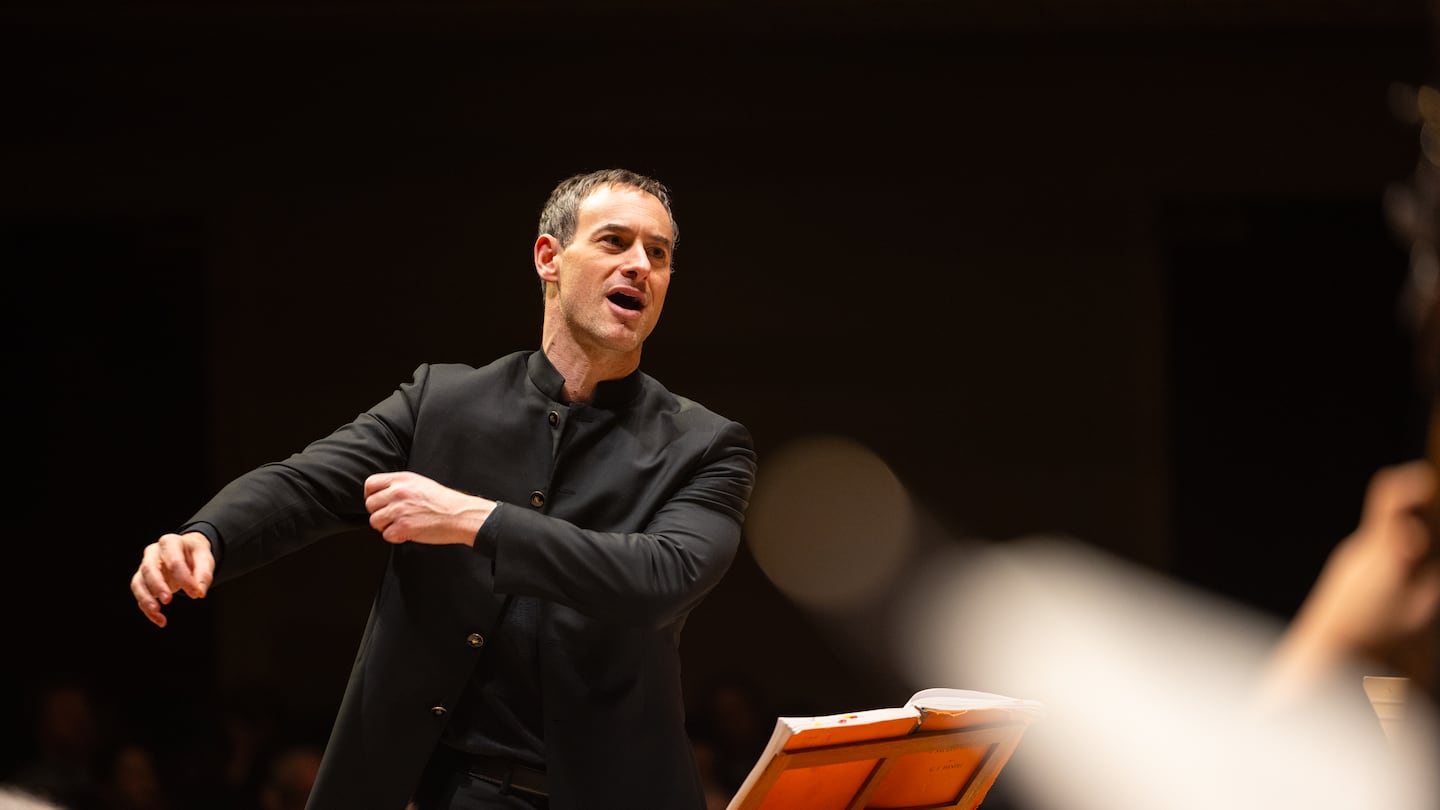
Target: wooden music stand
886,753
924,760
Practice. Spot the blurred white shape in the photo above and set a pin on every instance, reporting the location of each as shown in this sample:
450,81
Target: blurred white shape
1149,689
829,523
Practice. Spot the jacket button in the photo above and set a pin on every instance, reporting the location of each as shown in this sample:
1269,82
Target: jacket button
475,640
537,499
554,418
438,711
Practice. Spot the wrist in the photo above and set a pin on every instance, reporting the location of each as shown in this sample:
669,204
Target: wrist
471,518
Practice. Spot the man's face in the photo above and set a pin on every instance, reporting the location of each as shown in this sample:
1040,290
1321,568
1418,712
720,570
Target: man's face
610,281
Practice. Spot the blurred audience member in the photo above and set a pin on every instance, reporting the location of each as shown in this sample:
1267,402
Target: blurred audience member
132,780
729,727
716,796
234,757
290,777
66,735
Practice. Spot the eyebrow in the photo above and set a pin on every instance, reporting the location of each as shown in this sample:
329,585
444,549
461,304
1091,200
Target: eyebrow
615,226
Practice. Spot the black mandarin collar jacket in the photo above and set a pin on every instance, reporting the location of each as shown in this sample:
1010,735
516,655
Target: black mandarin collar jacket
620,514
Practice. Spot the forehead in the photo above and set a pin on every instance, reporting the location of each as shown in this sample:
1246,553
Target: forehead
625,206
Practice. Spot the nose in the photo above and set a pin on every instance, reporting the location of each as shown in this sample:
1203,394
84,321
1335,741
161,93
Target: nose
636,263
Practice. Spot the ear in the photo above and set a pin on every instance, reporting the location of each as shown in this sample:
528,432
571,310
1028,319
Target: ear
547,248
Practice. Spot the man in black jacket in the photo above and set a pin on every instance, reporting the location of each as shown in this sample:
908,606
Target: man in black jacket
554,516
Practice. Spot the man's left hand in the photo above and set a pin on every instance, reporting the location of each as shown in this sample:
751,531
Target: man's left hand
407,507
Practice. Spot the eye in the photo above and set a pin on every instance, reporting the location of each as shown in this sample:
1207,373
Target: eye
613,240
659,254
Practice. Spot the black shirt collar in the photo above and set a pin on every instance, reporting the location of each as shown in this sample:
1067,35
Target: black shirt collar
608,393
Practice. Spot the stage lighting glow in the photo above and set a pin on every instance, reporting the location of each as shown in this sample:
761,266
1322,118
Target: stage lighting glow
829,523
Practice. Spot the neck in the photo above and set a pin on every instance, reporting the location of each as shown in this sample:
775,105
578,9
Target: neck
584,367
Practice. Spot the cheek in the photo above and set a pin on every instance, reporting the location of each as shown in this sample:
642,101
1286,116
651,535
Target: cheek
658,292
657,305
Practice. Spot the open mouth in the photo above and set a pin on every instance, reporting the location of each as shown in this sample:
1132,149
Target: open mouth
624,301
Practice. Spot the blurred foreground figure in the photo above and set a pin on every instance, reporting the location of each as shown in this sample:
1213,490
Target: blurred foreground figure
554,515
16,799
1378,592
1161,696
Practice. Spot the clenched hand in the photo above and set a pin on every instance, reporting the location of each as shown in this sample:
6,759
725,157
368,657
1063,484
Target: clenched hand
407,507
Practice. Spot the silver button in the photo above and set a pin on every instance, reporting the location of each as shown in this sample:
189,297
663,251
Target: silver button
554,418
438,711
475,640
537,499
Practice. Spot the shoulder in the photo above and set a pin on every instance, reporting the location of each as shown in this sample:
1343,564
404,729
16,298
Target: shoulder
685,413
448,375
451,385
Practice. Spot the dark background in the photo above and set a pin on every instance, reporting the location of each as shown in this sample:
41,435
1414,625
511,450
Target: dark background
1117,269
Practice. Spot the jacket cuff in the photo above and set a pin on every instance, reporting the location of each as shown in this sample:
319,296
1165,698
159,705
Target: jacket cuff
488,537
211,533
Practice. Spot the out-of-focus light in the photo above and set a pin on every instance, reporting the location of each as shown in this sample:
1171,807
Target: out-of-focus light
1430,142
829,523
1427,103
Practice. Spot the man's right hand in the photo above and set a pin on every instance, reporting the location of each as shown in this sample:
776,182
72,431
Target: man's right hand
175,563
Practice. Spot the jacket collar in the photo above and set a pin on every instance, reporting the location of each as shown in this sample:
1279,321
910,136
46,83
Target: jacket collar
608,393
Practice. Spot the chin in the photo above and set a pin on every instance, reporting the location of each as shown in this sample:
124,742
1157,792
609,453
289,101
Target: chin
626,339
620,344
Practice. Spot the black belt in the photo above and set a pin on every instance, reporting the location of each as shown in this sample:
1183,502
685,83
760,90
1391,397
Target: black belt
507,773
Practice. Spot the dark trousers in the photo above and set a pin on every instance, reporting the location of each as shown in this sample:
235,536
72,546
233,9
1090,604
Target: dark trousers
448,784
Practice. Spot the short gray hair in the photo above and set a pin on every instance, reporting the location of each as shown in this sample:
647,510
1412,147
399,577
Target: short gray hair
562,210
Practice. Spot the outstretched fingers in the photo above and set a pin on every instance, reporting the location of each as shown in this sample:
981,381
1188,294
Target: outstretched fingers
174,563
149,587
